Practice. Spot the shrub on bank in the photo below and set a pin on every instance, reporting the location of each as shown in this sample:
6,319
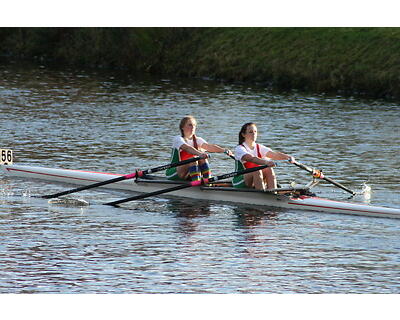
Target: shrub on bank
346,60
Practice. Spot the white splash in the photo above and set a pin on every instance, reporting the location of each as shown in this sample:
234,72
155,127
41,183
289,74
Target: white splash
27,193
366,191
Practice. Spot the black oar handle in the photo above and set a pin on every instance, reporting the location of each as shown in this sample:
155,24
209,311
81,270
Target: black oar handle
321,176
227,153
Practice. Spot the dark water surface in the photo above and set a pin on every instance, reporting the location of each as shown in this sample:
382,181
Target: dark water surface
104,122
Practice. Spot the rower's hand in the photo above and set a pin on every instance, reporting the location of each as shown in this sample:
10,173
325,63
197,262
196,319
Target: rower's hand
291,159
270,163
228,152
204,156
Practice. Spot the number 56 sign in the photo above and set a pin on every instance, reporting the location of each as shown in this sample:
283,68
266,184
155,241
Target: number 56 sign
6,156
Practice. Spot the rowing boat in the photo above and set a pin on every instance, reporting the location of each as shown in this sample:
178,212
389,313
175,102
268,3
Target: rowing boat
290,198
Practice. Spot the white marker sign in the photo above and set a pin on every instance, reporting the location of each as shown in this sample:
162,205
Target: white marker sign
6,156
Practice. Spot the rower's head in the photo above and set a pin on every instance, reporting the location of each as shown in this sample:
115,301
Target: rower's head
188,126
248,132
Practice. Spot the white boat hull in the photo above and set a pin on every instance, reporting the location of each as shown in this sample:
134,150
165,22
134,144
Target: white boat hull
79,177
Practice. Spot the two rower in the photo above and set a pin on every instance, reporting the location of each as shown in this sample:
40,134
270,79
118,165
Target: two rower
248,154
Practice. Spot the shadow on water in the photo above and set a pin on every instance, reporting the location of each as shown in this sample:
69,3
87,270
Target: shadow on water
186,213
252,216
187,209
244,216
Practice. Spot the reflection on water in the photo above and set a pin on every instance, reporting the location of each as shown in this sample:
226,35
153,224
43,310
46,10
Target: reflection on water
112,123
251,216
186,213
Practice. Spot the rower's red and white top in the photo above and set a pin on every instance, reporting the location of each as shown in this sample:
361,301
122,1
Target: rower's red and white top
179,155
178,141
258,151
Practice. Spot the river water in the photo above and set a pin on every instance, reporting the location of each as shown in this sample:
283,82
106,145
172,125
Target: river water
107,122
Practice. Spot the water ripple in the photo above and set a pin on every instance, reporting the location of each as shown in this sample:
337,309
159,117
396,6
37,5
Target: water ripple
101,121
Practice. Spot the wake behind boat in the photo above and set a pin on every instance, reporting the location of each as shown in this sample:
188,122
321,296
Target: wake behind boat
290,198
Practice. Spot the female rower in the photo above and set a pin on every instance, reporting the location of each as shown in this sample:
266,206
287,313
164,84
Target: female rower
187,146
249,154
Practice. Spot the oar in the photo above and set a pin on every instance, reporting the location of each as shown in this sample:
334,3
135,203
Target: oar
188,185
320,175
124,177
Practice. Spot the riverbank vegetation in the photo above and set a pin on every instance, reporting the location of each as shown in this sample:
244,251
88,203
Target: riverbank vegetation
361,61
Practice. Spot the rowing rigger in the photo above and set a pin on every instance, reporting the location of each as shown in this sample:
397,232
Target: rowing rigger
289,198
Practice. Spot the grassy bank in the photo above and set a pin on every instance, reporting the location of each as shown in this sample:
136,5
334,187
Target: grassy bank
362,61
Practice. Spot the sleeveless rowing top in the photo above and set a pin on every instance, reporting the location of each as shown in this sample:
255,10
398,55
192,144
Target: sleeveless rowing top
241,150
179,155
248,164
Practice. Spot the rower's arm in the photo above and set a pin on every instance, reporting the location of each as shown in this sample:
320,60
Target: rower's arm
193,151
249,158
275,155
212,147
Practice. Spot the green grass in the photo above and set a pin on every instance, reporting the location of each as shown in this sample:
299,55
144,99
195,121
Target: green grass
362,61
